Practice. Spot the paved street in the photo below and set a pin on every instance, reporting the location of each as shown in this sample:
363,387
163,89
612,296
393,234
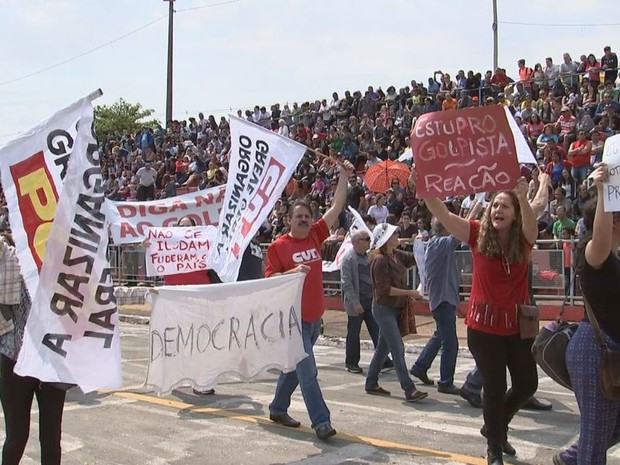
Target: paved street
136,427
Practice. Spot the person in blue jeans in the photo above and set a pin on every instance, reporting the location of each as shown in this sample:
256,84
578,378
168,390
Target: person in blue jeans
598,269
356,286
299,251
442,278
388,269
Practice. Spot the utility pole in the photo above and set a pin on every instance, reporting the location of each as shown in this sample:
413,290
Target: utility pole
170,48
495,64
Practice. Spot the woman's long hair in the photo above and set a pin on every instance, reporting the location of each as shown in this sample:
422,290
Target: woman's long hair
488,239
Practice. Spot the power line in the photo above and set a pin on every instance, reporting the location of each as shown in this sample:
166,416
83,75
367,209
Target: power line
117,39
514,23
68,60
210,5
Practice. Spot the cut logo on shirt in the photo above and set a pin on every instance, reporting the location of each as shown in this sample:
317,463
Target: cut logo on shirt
306,256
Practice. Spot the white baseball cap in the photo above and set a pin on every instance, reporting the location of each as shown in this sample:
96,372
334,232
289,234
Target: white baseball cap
381,234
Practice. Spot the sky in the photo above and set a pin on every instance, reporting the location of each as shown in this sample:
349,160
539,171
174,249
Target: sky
231,54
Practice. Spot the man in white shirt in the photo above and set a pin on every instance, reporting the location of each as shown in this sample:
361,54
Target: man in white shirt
568,71
264,118
283,128
551,71
146,188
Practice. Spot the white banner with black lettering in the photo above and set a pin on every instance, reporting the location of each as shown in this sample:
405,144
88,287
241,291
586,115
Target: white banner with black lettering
72,333
347,244
33,167
131,220
261,164
178,250
198,333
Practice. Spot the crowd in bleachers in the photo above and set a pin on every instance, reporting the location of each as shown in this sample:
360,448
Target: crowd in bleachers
565,112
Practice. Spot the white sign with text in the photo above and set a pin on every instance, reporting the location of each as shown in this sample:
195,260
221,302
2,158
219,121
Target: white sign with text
178,250
199,332
611,189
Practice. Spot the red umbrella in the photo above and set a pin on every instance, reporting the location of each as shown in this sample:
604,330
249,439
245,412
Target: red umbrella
379,177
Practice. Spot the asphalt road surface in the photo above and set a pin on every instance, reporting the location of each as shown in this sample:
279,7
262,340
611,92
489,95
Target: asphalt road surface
132,426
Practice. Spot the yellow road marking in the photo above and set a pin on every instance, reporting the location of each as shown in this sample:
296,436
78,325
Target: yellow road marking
380,443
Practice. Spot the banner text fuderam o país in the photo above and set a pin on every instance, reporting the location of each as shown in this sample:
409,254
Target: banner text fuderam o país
178,250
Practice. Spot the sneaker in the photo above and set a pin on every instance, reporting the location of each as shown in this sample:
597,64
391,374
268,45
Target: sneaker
208,392
324,431
448,389
422,377
354,368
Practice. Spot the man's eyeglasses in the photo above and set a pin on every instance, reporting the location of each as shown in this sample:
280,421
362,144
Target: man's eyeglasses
365,239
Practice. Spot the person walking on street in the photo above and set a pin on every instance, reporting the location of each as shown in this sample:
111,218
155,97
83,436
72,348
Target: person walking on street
17,392
299,251
471,390
501,244
388,269
442,278
598,268
356,286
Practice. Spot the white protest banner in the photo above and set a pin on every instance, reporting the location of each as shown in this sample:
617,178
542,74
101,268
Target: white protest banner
198,333
72,331
130,220
32,168
611,156
178,250
358,223
524,152
261,164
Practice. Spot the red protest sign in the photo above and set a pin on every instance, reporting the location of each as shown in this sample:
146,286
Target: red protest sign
464,152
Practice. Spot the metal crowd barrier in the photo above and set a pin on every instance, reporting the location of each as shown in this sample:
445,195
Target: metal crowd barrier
550,279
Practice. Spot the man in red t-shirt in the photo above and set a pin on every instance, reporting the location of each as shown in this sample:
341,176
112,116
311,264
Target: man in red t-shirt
299,251
579,157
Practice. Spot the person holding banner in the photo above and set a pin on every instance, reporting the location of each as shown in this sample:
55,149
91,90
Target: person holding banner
17,392
298,251
598,268
501,244
193,277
